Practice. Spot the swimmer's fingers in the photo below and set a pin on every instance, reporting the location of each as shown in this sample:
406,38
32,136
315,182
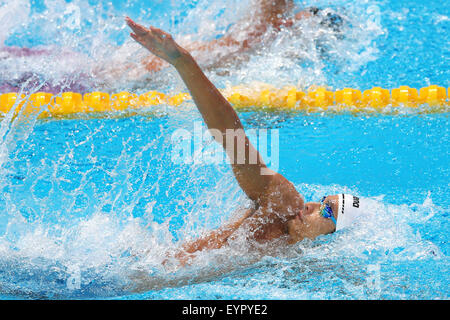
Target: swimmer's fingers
142,33
158,42
136,37
147,36
137,28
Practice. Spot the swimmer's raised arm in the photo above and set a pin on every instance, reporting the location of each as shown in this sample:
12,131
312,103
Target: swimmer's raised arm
251,173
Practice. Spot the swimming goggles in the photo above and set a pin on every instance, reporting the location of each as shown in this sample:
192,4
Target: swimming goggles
326,211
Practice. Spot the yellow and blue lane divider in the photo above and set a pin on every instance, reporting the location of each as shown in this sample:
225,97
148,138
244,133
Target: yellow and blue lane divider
318,99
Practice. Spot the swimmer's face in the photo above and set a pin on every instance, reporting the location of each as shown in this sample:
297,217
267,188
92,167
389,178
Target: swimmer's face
310,223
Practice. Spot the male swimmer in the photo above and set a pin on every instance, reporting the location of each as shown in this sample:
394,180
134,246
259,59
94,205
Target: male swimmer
279,211
259,27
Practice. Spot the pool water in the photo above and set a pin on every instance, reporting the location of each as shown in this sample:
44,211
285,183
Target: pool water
89,207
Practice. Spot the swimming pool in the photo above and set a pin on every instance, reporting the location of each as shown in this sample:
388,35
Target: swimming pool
90,205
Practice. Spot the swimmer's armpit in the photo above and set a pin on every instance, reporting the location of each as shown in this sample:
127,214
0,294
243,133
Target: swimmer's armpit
212,240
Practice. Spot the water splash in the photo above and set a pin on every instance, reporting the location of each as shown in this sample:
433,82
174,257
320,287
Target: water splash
82,46
12,14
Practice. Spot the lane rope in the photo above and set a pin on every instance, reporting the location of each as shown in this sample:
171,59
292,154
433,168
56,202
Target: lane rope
316,99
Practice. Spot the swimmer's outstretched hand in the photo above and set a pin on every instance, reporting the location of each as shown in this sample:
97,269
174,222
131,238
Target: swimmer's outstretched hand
158,42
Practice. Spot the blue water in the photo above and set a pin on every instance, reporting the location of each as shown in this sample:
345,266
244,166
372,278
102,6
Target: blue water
99,201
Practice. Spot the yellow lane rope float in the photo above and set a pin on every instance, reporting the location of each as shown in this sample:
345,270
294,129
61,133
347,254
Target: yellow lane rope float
318,99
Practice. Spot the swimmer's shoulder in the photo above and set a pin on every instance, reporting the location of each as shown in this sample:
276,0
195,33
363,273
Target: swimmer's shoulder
282,196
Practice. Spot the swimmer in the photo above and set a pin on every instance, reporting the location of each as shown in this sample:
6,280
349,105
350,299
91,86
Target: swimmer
261,26
279,210
254,31
258,28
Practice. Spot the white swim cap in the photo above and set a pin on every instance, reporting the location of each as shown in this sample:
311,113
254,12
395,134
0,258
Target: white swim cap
349,210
